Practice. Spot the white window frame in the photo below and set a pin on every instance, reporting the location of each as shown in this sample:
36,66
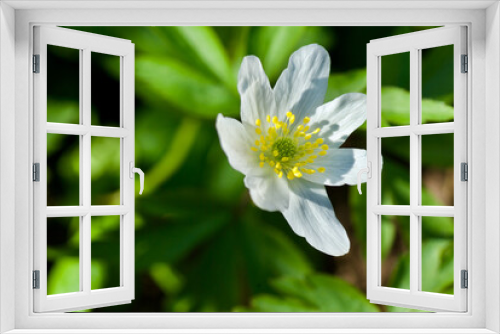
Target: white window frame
16,21
85,44
413,44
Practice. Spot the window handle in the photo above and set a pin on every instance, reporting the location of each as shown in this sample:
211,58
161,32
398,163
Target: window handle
368,171
141,175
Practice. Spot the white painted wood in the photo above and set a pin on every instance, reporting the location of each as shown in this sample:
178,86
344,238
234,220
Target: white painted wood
492,163
419,129
413,43
197,14
408,210
7,167
86,43
76,129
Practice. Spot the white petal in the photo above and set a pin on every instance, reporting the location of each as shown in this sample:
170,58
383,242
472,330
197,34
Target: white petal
311,216
301,88
341,167
236,144
257,97
268,191
340,117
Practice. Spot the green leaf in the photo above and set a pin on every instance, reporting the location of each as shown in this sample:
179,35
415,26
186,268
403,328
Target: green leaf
437,265
171,241
174,157
347,82
209,49
183,87
315,292
259,240
270,303
64,276
396,108
169,281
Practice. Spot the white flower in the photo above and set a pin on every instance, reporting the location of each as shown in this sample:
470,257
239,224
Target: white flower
288,144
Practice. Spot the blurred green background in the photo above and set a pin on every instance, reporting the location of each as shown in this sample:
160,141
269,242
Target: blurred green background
201,245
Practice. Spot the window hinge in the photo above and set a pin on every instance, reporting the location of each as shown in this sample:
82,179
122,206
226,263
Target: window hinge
465,279
36,172
464,172
36,63
465,64
36,279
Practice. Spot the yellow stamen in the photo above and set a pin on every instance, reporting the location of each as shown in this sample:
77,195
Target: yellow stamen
257,122
255,149
319,141
306,120
322,153
261,164
324,147
268,119
258,131
321,169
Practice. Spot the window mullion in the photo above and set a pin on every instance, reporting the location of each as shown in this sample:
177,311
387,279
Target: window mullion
414,170
85,167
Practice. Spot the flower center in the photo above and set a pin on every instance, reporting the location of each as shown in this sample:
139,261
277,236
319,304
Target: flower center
288,152
285,148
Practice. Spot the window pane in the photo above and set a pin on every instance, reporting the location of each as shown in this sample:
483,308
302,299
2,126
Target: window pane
437,84
437,169
437,254
63,85
395,185
63,263
105,89
63,170
395,256
105,250
105,166
395,95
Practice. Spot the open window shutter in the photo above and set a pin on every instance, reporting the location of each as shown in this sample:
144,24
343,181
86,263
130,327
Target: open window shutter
415,295
84,296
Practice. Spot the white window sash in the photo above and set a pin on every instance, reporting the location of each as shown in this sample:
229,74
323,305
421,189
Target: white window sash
414,297
85,42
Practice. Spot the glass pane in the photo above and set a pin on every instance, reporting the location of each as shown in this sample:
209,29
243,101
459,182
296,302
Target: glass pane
105,173
437,254
437,84
437,169
63,170
63,85
105,250
395,95
63,263
395,185
105,89
395,246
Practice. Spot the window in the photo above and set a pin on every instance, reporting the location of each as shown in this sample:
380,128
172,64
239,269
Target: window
481,316
416,134
58,205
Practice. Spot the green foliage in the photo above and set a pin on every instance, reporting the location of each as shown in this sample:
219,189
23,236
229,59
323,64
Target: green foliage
312,293
201,245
